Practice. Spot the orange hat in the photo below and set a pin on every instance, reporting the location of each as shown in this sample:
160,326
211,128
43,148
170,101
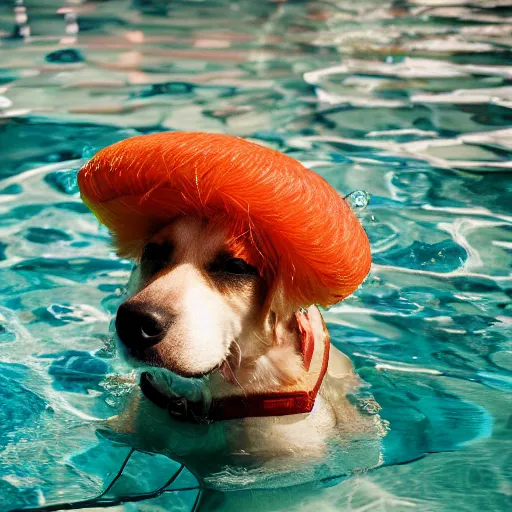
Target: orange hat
301,231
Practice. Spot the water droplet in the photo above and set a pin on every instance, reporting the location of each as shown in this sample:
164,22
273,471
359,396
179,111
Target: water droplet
88,152
63,181
358,199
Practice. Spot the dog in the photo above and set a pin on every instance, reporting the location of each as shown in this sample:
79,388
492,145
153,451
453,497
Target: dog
236,379
196,311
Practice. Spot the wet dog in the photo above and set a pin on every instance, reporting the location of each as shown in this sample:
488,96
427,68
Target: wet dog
231,240
198,313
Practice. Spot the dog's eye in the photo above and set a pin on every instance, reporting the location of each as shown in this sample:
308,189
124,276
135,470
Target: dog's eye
238,266
225,264
155,257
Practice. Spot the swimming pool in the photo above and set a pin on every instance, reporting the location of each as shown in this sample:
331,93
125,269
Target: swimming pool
408,100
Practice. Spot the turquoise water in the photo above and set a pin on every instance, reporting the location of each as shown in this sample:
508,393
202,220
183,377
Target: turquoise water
408,100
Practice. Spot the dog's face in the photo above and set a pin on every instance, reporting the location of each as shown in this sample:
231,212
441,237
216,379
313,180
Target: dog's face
194,302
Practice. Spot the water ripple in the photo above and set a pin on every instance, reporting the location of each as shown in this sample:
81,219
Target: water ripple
409,102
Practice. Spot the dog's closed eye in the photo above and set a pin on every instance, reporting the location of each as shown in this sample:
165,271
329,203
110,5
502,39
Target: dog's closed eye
225,264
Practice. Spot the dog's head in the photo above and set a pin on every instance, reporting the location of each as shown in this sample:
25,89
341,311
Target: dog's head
198,300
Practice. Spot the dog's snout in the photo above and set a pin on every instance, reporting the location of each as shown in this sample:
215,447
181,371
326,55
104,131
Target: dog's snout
139,326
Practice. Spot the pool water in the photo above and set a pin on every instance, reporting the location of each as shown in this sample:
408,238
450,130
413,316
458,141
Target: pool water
408,100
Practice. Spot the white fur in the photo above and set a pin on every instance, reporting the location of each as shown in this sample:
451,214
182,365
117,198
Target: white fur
207,323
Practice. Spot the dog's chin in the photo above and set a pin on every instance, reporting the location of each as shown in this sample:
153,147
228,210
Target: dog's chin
150,358
189,374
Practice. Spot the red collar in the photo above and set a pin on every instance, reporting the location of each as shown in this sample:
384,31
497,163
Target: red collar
257,405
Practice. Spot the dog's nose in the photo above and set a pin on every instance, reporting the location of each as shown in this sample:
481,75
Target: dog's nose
139,326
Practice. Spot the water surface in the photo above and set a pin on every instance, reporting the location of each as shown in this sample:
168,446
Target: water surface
408,100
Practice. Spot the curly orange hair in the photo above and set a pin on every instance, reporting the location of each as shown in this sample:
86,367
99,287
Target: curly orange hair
300,231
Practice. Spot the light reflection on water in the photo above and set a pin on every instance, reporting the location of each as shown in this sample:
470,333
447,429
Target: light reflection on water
408,100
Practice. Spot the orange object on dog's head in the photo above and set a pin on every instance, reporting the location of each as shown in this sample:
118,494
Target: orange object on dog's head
301,233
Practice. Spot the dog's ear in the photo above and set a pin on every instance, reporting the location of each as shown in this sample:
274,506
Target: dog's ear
284,328
283,361
278,315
